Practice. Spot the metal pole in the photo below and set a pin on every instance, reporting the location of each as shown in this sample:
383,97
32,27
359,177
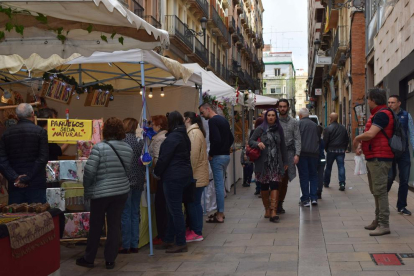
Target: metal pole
144,115
234,150
200,102
244,138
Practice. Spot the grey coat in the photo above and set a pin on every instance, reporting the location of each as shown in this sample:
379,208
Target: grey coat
260,164
309,138
104,175
293,142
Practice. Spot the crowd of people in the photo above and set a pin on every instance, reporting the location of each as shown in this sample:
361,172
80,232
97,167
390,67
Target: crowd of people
114,174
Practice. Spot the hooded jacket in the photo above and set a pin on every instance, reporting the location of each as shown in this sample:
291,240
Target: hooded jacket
199,159
310,138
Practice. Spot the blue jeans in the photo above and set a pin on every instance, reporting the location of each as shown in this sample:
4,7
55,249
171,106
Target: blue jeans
22,195
130,220
404,165
340,161
195,212
173,190
219,165
321,168
308,177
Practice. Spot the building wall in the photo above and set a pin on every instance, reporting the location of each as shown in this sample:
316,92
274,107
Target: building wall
300,94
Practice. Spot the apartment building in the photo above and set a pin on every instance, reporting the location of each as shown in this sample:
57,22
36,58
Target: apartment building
279,76
230,44
301,89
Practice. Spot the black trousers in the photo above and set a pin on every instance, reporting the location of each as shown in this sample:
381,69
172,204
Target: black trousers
111,206
161,214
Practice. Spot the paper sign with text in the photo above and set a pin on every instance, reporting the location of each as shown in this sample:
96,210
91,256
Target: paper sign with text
64,131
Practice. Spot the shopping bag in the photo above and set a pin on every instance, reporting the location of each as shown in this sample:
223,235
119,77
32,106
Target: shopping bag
360,166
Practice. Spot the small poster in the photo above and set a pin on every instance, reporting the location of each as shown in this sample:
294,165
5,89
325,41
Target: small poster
68,131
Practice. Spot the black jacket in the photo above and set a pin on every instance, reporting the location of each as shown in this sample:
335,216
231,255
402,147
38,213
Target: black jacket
309,138
24,150
335,137
220,136
174,161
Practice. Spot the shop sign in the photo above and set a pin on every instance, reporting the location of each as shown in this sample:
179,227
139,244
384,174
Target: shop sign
322,61
68,131
318,91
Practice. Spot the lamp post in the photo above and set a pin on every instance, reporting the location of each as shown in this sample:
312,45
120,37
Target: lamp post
203,22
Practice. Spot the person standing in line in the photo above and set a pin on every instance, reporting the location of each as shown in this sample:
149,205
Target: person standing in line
404,161
107,185
199,163
336,141
136,176
379,157
247,167
160,126
221,140
24,153
293,144
257,123
174,168
308,162
272,162
321,162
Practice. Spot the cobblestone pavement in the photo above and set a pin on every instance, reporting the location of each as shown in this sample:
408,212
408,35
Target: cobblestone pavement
325,240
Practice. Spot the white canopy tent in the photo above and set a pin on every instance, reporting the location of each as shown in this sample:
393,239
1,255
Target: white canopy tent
263,100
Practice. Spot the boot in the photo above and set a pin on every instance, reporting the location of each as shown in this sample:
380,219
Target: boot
280,209
177,249
372,226
381,230
274,199
266,204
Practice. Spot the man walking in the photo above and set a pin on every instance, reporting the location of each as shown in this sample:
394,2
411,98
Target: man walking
308,161
404,161
24,153
221,140
336,141
293,144
379,157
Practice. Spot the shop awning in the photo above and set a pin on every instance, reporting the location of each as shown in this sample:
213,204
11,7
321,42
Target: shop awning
263,100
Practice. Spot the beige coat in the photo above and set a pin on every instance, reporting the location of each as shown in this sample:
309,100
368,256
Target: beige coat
199,158
154,148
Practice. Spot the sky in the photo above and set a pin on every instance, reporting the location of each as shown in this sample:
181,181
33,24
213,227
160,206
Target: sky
285,26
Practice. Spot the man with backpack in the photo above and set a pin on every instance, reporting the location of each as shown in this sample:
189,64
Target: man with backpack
379,156
403,161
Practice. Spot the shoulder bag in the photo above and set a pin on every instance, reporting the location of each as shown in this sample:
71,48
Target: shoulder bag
119,157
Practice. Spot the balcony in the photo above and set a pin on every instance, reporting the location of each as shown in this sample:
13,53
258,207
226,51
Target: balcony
248,52
138,7
333,18
154,22
217,25
223,72
262,65
218,67
212,63
232,24
225,4
340,44
235,35
198,8
243,18
200,54
239,9
236,2
178,34
240,43
248,80
259,42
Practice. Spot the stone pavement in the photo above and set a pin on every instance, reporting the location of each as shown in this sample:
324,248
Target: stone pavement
325,240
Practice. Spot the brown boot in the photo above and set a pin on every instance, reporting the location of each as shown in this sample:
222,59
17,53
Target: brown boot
266,203
274,199
381,230
372,226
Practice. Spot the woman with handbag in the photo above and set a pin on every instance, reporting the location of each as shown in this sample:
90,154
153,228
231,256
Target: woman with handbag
136,176
199,163
174,168
106,183
159,124
272,162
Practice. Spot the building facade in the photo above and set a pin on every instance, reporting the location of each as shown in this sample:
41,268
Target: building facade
301,99
231,44
279,76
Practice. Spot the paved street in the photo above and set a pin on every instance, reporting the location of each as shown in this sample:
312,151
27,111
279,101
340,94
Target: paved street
324,240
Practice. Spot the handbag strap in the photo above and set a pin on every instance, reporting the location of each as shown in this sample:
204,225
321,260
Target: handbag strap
120,159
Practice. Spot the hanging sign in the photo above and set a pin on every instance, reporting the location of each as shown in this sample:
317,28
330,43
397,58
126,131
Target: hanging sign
318,91
68,131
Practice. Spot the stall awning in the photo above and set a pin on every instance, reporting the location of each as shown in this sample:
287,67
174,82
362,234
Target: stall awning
263,100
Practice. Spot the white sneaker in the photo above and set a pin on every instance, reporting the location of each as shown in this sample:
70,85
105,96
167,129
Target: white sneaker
314,202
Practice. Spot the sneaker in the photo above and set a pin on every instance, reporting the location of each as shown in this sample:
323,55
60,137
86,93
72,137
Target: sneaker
314,202
245,184
404,212
326,185
342,187
82,262
306,203
257,192
193,237
319,195
156,241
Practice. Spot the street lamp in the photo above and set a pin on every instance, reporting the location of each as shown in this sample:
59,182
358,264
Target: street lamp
357,4
341,62
317,44
193,33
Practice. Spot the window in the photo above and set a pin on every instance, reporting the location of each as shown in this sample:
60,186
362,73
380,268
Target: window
284,89
278,90
272,90
277,72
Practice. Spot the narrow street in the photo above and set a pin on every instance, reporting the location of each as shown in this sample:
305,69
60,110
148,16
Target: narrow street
319,241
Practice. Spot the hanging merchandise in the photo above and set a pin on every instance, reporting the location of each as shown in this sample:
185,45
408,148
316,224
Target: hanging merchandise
84,149
76,225
56,198
68,170
52,171
97,131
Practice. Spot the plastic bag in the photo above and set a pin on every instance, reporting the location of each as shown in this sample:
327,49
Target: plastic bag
360,166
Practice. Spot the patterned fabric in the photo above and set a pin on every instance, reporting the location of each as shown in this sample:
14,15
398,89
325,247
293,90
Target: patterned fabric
136,174
80,164
52,171
73,193
68,170
84,149
6,220
76,225
56,198
97,128
28,233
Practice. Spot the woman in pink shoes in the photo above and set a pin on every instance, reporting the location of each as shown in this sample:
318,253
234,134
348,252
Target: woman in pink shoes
199,163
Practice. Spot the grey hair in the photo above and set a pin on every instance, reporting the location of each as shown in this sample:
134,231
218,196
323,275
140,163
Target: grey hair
24,111
304,112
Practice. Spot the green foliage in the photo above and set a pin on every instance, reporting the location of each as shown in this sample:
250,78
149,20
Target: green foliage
9,26
41,18
90,28
104,38
121,40
1,35
19,29
113,35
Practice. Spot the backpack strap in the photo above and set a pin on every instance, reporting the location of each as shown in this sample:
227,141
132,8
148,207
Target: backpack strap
120,159
393,116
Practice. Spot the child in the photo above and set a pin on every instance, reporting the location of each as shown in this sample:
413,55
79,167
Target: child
321,162
247,168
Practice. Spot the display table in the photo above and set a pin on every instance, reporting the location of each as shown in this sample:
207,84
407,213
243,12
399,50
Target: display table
43,260
229,173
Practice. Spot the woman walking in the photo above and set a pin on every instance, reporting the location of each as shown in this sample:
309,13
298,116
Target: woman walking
199,163
106,183
272,163
136,176
174,168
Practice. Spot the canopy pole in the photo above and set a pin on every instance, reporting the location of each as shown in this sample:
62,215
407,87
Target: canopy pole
234,149
80,75
144,115
200,102
243,139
